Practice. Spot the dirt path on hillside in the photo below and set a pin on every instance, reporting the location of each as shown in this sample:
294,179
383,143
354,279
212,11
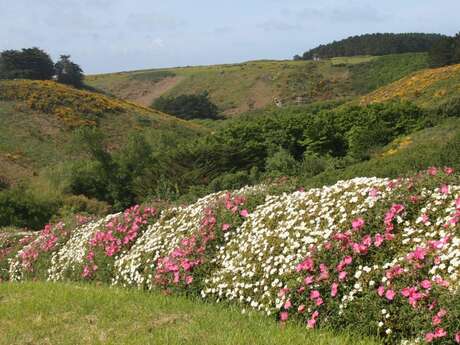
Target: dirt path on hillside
145,93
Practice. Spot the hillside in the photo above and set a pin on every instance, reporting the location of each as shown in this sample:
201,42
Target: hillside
428,88
238,88
38,119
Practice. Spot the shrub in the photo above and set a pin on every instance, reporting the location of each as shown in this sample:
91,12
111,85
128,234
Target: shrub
22,208
188,106
281,163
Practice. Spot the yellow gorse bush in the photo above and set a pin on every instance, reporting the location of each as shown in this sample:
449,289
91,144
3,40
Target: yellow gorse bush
74,107
414,86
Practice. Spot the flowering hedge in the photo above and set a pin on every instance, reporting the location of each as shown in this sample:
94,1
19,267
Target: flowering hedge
183,240
381,256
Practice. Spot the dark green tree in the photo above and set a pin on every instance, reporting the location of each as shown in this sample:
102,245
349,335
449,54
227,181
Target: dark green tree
68,72
442,53
188,106
29,63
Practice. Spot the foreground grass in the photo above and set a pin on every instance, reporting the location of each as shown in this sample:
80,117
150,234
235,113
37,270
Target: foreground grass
45,313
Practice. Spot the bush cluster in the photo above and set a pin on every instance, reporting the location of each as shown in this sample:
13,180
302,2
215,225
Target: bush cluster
376,255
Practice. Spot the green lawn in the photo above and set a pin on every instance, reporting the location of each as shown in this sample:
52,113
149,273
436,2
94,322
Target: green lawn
46,313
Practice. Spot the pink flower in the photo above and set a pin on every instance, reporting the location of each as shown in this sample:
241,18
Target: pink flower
306,265
342,275
225,227
442,282
244,213
381,290
347,260
309,280
311,323
445,189
390,295
287,304
457,337
319,301
374,192
188,280
429,337
283,292
432,171
442,312
334,289
284,316
425,218
426,284
440,332
314,294
436,320
324,272
301,308
448,170
378,240
357,224
86,272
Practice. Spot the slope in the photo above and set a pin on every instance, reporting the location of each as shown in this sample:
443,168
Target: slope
238,88
428,87
39,117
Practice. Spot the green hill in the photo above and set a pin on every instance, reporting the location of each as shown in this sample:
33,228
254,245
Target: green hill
38,119
238,88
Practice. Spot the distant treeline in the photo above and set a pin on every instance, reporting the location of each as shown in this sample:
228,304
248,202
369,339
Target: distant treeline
375,44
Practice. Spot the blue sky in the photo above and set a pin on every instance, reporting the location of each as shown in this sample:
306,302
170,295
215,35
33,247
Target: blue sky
118,35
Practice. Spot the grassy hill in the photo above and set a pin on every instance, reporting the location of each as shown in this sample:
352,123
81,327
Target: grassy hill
238,88
38,119
427,88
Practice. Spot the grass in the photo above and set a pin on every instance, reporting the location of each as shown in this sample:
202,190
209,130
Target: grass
46,313
239,88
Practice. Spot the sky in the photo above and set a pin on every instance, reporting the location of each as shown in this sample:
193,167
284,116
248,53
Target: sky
121,35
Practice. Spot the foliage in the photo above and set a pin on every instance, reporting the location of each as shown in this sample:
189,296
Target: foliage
375,44
20,207
68,72
29,63
187,106
445,52
281,163
368,76
377,255
437,146
116,178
